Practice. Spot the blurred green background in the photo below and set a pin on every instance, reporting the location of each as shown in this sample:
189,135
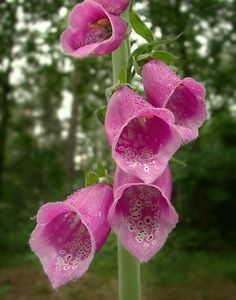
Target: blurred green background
49,136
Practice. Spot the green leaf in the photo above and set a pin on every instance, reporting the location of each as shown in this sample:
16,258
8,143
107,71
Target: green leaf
140,61
143,57
140,27
101,114
179,162
147,48
143,49
130,74
169,40
165,56
101,169
136,66
91,178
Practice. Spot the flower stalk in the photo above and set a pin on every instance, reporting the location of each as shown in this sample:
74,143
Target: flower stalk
129,275
143,134
128,266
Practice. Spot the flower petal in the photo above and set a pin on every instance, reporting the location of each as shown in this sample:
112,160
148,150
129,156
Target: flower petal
143,138
92,31
164,182
123,104
141,215
114,6
159,82
184,98
188,106
69,233
68,41
94,206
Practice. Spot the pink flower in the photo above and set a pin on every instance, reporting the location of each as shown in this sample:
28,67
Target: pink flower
92,31
69,233
114,6
143,138
184,97
142,215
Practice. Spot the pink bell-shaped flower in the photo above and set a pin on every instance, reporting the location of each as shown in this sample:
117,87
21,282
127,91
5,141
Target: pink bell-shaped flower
143,138
183,97
69,233
114,6
142,215
92,31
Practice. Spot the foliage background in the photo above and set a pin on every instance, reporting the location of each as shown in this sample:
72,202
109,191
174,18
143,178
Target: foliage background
49,136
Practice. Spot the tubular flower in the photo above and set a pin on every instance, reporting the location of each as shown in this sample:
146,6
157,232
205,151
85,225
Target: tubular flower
183,97
92,31
143,138
114,6
142,215
69,233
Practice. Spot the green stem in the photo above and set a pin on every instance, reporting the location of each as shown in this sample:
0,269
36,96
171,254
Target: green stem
119,60
129,275
129,267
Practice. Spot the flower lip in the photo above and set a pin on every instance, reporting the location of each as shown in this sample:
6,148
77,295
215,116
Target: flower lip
120,190
98,32
142,215
188,106
56,251
189,86
52,208
153,164
114,6
69,233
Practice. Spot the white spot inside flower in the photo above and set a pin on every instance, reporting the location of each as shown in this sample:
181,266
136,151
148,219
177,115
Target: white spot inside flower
147,220
68,257
131,228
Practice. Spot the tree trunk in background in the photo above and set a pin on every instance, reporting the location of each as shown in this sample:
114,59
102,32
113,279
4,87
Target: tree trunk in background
180,41
4,121
8,23
69,164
